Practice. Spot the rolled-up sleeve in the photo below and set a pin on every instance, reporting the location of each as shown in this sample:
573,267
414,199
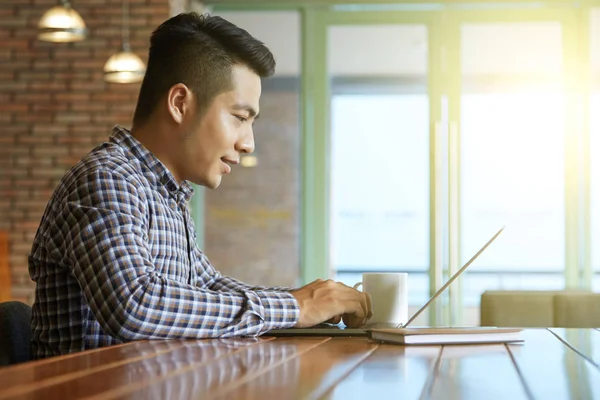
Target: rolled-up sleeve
107,247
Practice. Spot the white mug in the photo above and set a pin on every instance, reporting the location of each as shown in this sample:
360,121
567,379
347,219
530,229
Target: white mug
389,296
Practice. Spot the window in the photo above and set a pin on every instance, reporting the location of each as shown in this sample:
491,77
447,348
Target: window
380,188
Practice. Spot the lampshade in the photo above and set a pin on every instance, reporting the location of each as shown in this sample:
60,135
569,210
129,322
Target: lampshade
249,161
124,67
61,24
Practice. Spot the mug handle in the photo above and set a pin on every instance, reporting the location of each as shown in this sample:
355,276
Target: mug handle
357,285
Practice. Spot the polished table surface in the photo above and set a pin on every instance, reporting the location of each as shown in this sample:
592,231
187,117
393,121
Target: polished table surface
550,364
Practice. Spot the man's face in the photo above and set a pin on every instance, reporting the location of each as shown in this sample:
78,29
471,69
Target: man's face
214,142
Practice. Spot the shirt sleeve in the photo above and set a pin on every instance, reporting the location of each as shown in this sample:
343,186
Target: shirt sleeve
110,256
227,283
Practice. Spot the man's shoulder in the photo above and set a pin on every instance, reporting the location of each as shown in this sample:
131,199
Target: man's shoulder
108,158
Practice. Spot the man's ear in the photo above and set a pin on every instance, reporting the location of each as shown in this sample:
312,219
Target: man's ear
179,102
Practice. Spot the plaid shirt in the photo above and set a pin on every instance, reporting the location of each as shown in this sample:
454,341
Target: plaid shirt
115,259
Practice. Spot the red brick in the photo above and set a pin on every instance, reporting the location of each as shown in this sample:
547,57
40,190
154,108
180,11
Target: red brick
16,130
31,96
15,43
82,130
30,183
106,118
79,150
69,160
47,63
90,43
89,106
109,96
30,11
33,117
70,117
41,193
14,65
30,54
91,64
150,10
7,75
6,33
111,12
13,22
13,85
5,54
45,172
73,97
42,129
34,76
34,204
39,140
75,140
49,95
50,106
48,86
24,225
13,107
29,32
138,22
70,74
60,54
9,12
85,86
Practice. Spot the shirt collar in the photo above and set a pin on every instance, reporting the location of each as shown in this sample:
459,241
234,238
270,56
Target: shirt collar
123,138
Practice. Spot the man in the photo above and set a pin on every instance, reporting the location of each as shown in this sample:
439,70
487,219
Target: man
115,259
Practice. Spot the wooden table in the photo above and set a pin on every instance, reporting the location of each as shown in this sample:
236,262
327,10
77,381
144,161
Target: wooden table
551,364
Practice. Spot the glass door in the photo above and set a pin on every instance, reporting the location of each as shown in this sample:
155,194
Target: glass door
377,106
593,164
509,110
427,131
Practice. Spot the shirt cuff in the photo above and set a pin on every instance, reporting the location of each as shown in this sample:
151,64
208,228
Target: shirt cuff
277,309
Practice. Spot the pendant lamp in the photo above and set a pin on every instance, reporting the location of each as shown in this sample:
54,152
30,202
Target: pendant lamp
249,161
61,24
124,66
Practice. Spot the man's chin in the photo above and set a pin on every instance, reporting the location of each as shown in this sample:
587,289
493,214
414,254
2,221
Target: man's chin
214,183
208,183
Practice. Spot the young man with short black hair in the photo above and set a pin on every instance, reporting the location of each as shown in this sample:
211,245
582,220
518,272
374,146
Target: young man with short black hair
115,257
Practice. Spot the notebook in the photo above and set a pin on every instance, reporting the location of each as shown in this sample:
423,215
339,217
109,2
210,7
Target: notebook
469,335
342,330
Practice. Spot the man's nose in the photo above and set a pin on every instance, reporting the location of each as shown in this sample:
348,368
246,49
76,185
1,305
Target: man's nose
246,145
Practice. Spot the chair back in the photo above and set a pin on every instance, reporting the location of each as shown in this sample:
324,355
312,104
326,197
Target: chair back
15,332
5,288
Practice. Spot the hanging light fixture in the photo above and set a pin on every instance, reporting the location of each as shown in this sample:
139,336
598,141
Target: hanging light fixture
124,66
249,161
61,24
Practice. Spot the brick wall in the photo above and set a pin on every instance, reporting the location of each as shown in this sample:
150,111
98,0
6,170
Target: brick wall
55,106
253,219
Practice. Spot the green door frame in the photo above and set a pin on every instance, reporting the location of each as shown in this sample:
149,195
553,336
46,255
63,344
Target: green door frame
315,156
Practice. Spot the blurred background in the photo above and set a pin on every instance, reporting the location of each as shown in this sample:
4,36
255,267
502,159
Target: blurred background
395,136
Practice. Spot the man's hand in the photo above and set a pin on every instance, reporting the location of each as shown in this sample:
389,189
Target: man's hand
329,301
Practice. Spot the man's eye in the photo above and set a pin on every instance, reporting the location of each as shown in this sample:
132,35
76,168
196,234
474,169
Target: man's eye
243,119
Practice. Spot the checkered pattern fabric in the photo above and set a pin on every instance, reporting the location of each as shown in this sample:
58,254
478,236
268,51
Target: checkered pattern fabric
115,259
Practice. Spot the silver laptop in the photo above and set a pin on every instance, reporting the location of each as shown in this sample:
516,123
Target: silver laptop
341,330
